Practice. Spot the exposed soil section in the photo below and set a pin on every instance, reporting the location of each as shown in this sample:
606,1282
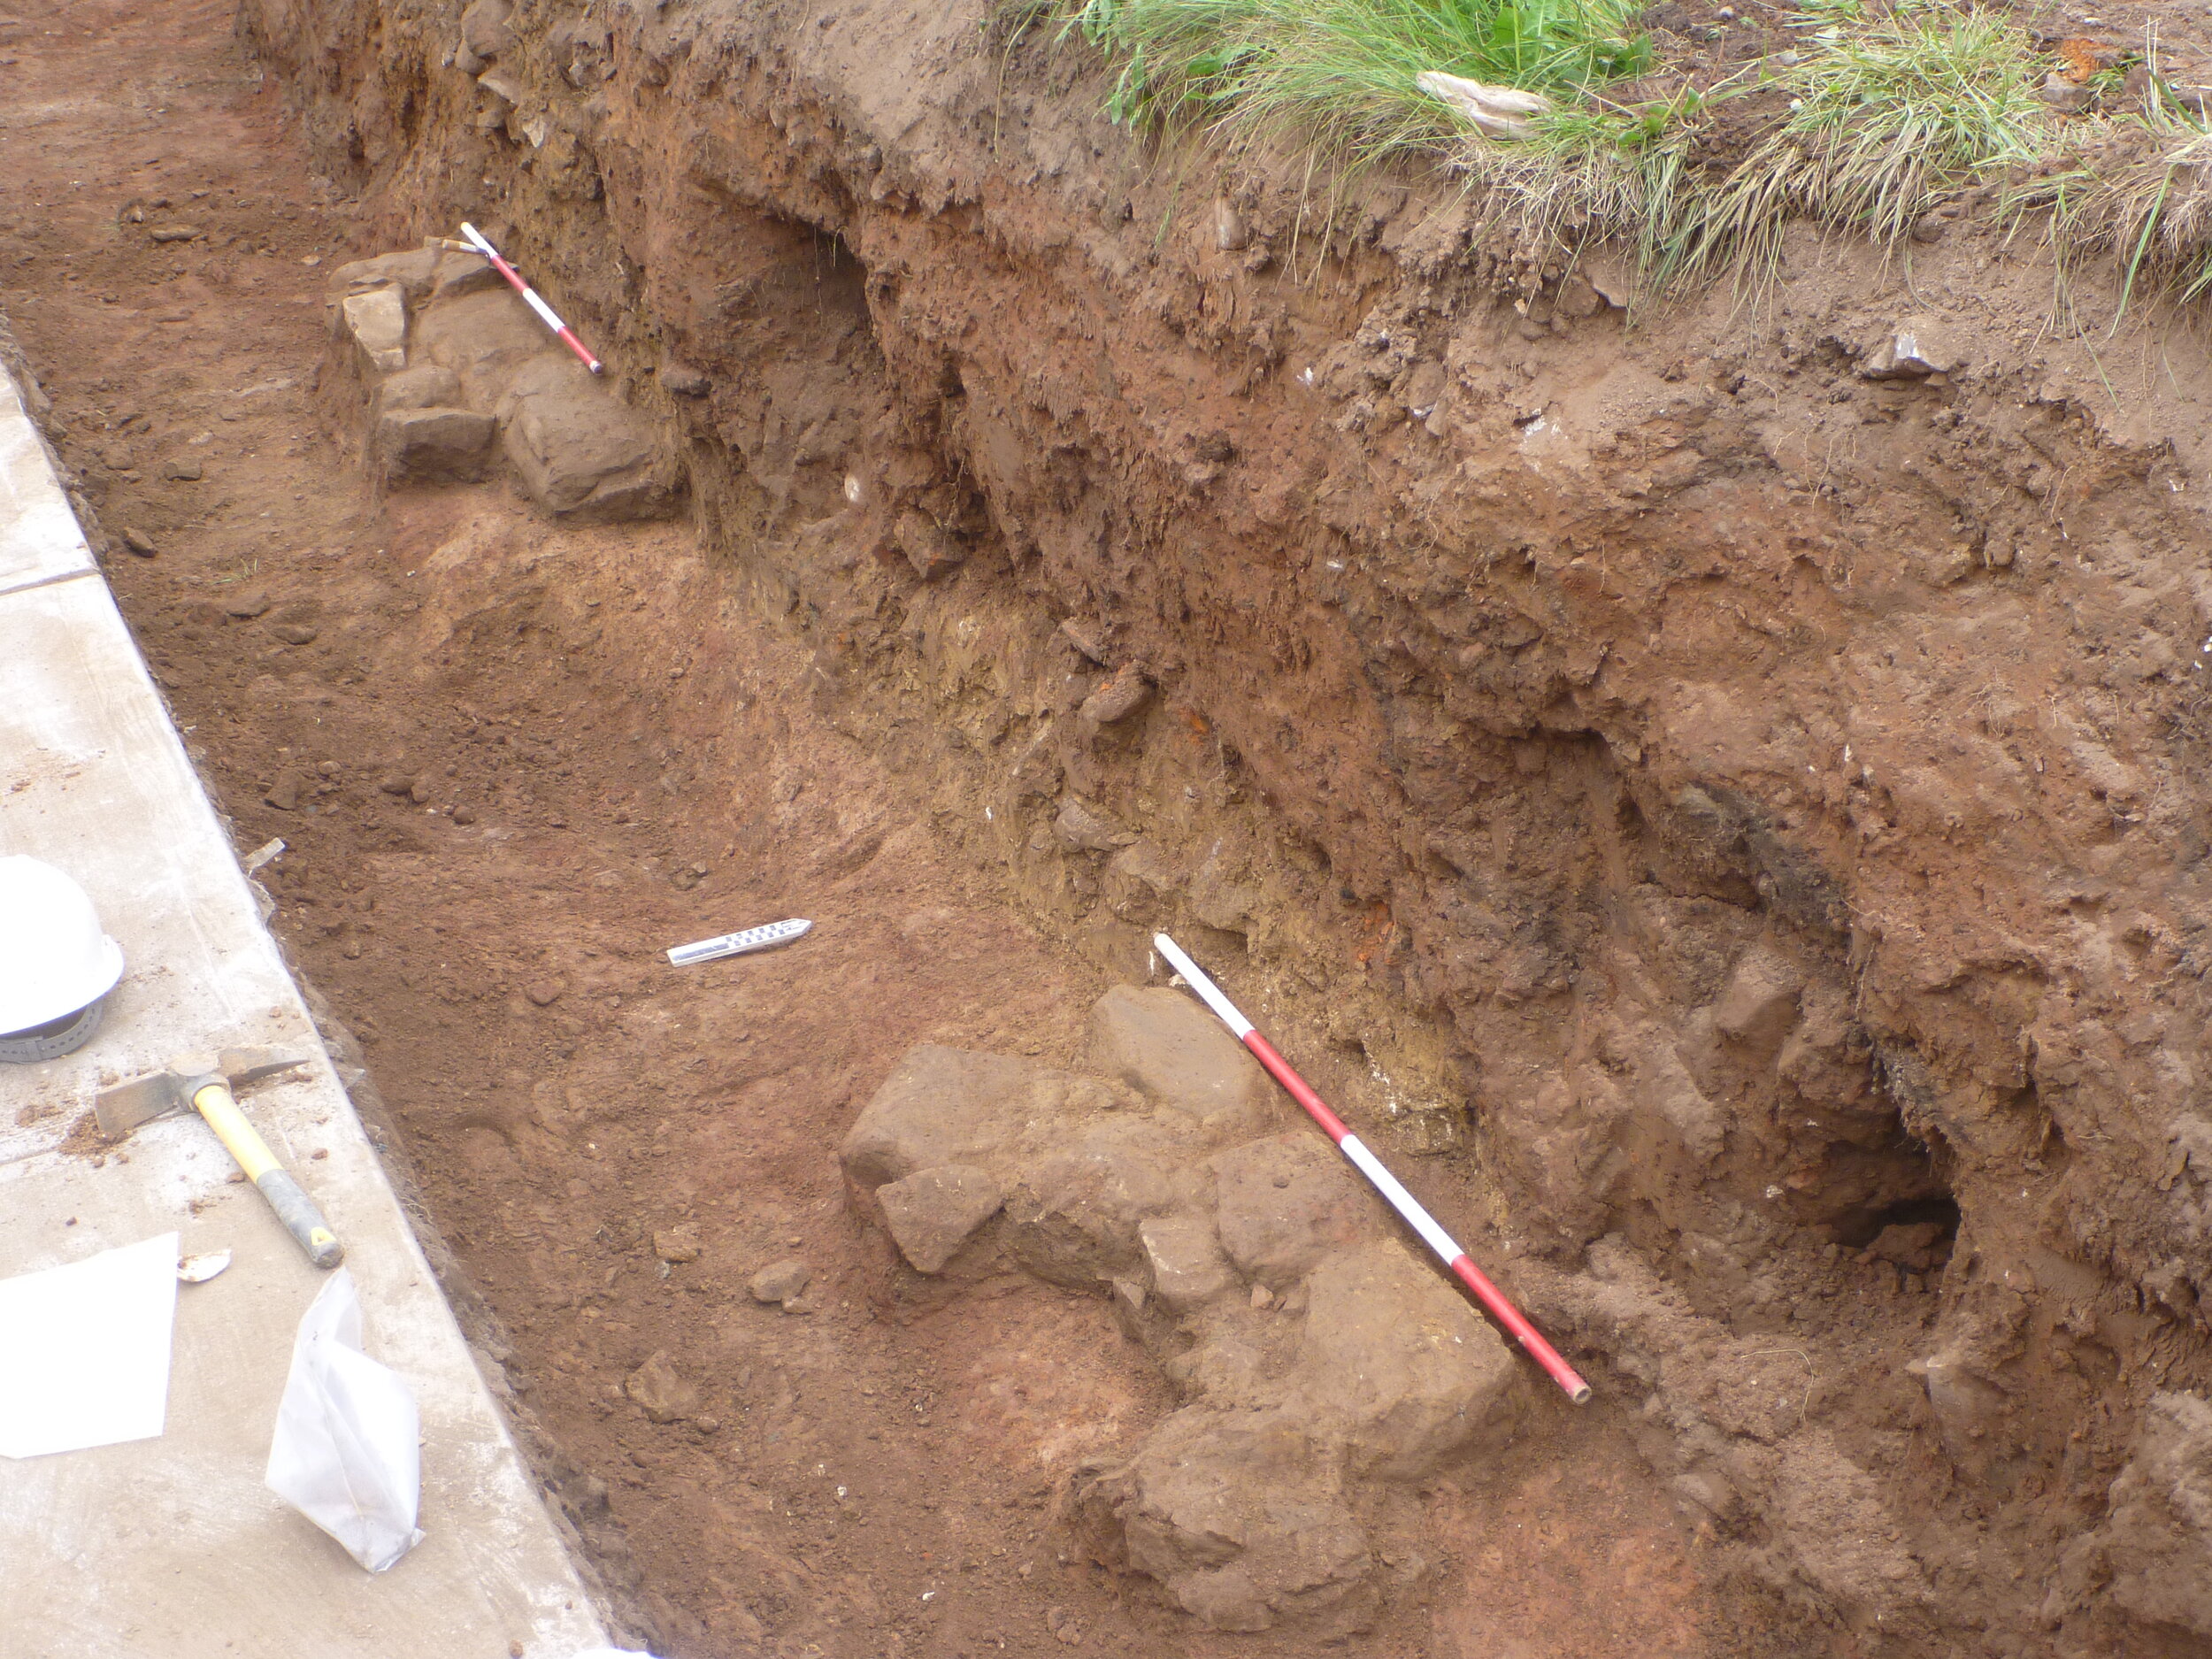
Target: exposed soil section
1722,787
512,763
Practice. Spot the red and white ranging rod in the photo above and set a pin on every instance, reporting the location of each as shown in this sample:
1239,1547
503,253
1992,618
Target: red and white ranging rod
545,312
1384,1182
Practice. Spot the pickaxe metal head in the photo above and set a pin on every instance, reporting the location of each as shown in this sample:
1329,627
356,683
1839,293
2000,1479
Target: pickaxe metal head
123,1108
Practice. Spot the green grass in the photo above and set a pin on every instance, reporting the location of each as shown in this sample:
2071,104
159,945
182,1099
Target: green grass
1884,116
1342,72
2138,190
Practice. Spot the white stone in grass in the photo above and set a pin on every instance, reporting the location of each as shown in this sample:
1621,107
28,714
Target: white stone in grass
1495,111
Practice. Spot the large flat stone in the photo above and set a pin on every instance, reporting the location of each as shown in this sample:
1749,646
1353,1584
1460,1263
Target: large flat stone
577,451
417,445
1240,1517
934,1212
377,319
1072,1213
1160,1042
941,1106
1402,1363
1283,1203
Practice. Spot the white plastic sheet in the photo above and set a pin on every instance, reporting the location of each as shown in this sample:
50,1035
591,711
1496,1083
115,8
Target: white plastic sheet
84,1350
347,1452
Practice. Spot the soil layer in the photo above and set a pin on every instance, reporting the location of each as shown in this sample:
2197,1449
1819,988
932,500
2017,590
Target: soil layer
1709,793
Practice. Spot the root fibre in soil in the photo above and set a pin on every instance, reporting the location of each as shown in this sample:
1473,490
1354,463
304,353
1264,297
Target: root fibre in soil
512,763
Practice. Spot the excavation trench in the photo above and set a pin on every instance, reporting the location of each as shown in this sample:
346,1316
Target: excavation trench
1716,814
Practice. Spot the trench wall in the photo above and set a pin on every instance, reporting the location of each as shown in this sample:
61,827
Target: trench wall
1733,797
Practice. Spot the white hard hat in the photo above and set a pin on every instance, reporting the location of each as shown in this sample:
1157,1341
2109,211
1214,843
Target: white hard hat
54,960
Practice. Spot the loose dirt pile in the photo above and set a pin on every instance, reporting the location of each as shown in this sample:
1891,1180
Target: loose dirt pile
1722,784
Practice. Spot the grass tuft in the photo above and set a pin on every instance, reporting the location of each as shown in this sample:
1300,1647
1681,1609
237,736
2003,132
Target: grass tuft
2138,189
1875,118
1342,72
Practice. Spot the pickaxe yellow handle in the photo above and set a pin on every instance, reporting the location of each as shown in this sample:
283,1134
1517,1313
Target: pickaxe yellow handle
294,1208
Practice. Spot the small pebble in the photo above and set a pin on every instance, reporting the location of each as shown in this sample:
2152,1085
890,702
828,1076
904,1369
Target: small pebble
139,542
544,993
781,1282
295,632
247,604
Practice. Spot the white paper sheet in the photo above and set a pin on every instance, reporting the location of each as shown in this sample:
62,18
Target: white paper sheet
84,1350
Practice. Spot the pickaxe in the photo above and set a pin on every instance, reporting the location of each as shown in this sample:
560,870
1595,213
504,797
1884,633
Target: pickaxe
204,1082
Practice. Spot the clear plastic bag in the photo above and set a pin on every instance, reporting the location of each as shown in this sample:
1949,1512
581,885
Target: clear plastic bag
347,1452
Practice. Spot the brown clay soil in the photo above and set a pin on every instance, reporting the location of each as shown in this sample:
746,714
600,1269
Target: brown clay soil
584,731
1763,791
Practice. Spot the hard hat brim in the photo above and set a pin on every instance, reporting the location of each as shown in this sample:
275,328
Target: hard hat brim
72,996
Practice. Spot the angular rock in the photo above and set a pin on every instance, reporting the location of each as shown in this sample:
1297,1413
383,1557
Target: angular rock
1185,1260
1758,1005
663,1395
928,548
1221,902
2064,96
409,269
1231,234
1917,349
424,386
1121,696
940,1106
676,1244
934,1212
1162,1042
1080,827
785,1281
1403,1363
1283,1203
415,445
1137,877
484,27
458,274
683,380
284,793
487,340
1240,1517
1087,636
377,319
139,542
1072,1215
580,453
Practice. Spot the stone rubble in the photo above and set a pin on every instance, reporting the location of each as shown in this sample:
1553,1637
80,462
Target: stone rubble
1315,1354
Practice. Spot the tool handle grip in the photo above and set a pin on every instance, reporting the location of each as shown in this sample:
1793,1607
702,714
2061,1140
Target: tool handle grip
302,1218
294,1208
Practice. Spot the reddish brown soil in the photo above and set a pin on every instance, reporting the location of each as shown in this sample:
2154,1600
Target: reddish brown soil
584,719
1740,811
